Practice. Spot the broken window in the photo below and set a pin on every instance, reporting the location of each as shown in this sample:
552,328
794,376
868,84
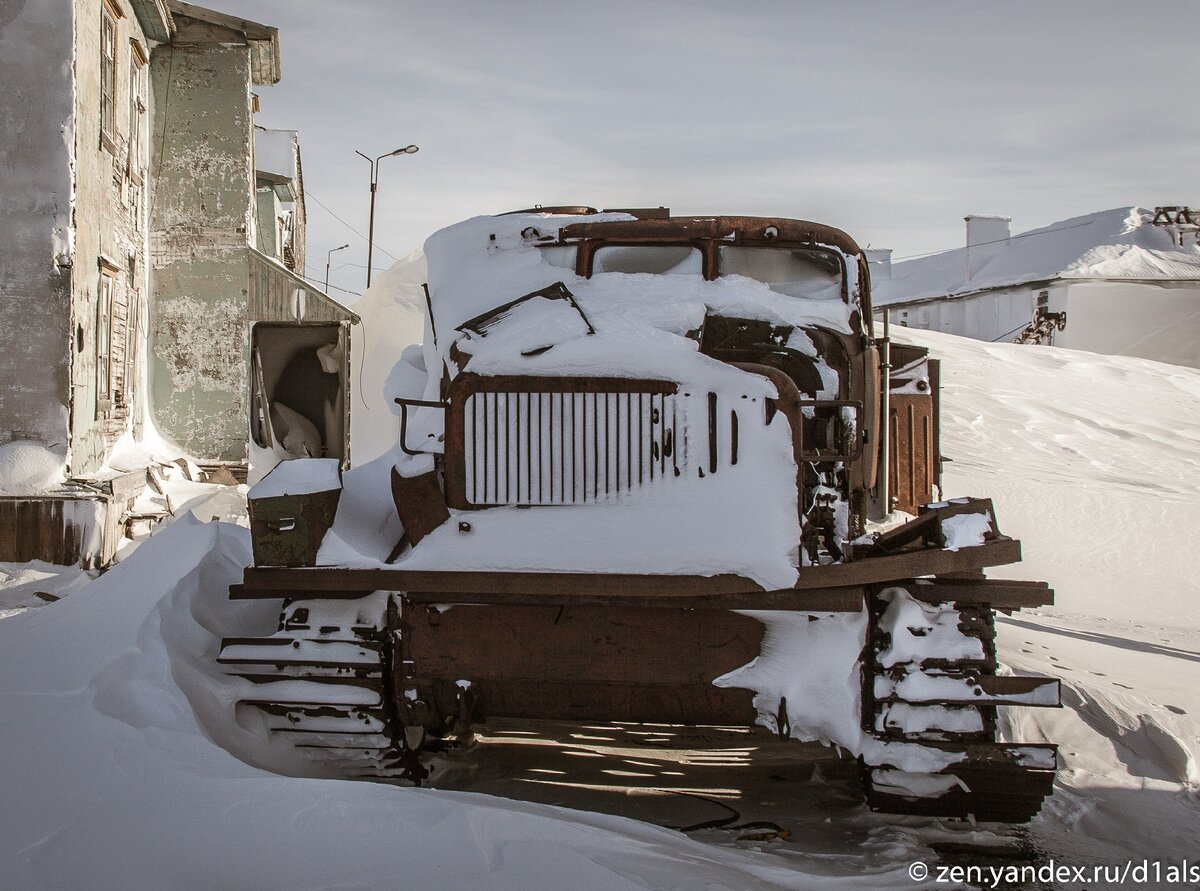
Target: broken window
299,389
796,272
108,75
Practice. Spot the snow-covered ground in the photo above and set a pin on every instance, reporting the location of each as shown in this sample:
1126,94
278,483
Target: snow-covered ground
114,774
1094,463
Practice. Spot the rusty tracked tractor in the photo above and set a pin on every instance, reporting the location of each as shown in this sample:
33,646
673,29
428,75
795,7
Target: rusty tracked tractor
637,447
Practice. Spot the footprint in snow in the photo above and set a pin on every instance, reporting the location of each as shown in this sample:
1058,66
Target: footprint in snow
1176,709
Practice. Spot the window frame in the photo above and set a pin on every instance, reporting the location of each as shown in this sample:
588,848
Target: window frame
108,76
587,248
137,112
105,293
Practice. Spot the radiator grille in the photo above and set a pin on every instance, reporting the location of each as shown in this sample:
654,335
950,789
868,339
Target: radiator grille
568,447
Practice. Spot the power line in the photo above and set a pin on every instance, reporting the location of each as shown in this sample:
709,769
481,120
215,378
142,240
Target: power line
346,263
317,281
308,193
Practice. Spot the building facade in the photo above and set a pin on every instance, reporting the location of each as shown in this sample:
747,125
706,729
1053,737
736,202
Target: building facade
1121,282
141,247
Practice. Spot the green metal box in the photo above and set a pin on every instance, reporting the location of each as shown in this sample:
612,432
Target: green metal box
291,509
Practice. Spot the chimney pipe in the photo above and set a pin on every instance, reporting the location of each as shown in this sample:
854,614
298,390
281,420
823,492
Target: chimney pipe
987,235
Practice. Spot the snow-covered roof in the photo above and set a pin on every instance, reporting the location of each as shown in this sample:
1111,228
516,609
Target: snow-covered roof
1121,243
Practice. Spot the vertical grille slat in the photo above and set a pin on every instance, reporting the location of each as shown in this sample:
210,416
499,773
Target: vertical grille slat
574,445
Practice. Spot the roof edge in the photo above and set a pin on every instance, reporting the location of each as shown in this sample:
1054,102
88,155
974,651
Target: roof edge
155,19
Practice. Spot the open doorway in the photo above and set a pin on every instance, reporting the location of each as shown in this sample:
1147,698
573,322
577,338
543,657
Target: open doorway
299,393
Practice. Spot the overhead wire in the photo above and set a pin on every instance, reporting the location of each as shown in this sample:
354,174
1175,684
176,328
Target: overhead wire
308,193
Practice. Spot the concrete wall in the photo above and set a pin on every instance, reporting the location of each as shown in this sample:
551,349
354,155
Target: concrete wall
36,142
110,234
202,225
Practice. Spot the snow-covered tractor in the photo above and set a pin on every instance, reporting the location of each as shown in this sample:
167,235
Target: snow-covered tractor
649,468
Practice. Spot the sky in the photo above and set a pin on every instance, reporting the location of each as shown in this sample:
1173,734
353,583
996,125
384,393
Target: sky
891,120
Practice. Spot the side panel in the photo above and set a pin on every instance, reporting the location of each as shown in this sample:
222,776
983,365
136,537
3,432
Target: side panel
652,664
913,451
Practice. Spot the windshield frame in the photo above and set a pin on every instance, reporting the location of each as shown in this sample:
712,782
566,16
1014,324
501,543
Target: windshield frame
586,249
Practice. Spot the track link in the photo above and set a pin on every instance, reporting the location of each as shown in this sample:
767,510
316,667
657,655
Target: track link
323,682
930,694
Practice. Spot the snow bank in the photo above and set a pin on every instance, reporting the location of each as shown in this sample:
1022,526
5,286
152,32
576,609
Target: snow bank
1092,461
393,318
111,779
30,468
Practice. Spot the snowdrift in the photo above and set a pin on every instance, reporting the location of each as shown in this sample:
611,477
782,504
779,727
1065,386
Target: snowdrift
115,769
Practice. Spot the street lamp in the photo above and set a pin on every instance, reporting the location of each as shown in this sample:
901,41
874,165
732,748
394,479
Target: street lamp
328,257
407,150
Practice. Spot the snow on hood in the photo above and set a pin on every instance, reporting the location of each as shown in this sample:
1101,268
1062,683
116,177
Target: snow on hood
641,321
611,325
1118,243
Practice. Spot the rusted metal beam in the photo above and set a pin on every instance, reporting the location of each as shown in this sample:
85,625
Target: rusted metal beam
322,579
337,581
743,229
998,593
834,600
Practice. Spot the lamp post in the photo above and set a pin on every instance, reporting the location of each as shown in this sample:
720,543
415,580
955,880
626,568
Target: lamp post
407,150
328,257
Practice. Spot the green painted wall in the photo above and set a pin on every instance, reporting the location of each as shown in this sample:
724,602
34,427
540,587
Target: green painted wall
202,226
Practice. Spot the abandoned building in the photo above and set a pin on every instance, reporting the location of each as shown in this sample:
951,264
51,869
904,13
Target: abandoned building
147,258
1120,282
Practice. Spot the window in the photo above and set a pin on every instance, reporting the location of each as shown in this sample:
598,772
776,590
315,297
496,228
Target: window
656,259
137,111
104,339
108,74
132,323
797,272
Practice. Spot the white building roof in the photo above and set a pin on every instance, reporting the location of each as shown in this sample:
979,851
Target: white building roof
1113,244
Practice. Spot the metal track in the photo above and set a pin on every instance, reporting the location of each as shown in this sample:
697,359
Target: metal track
930,680
324,687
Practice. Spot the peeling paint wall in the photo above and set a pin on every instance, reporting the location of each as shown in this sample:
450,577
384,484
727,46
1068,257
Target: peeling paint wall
36,139
203,213
111,198
269,211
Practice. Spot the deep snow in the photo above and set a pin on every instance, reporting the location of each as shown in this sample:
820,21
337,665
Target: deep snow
110,777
